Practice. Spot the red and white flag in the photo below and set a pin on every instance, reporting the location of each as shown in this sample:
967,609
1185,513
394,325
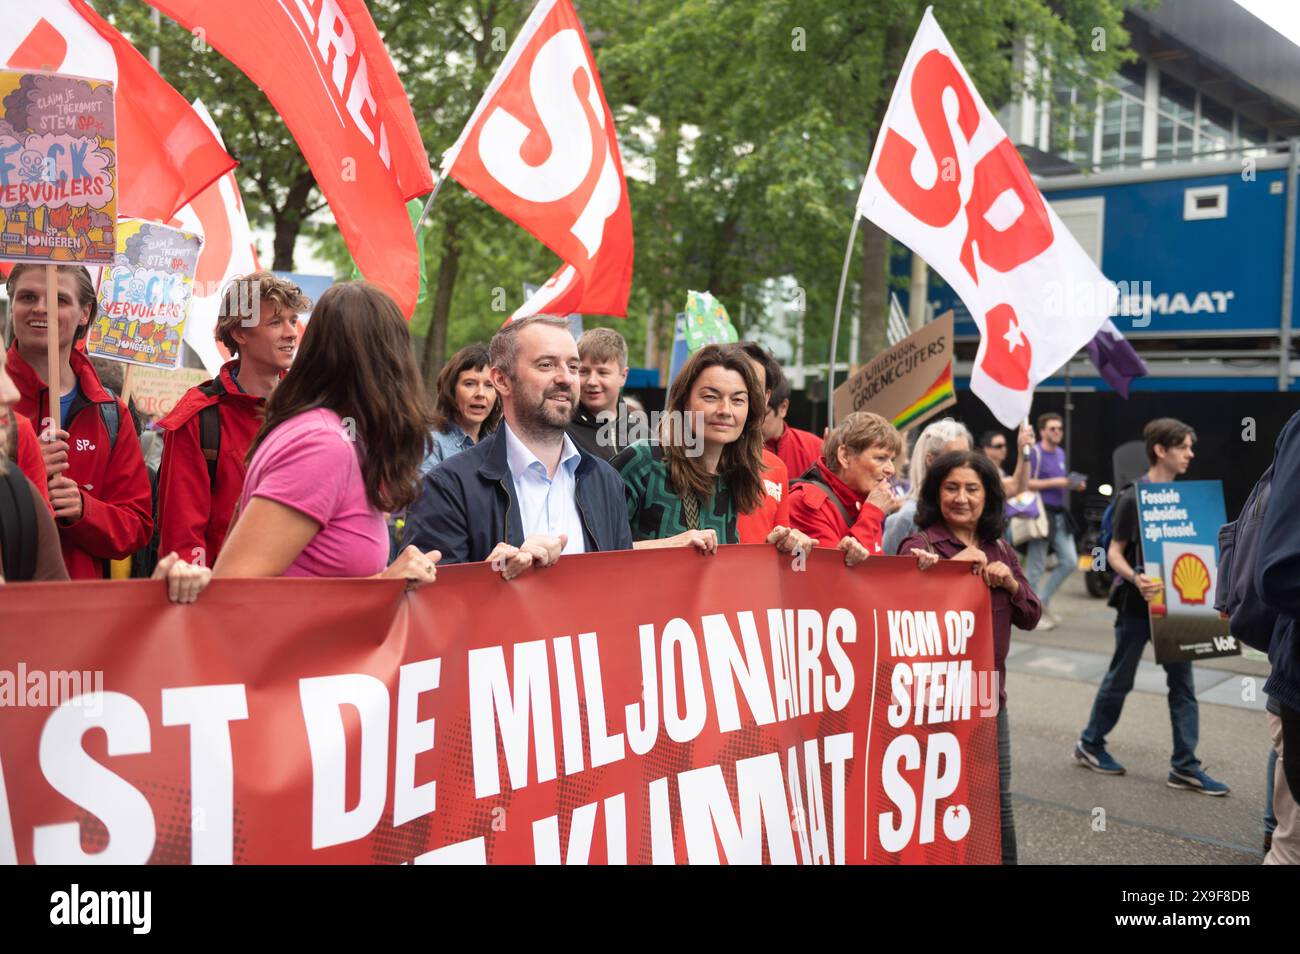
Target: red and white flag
217,213
946,181
541,149
165,154
325,69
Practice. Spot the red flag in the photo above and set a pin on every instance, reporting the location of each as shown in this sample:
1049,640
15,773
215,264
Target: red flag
165,154
541,149
324,68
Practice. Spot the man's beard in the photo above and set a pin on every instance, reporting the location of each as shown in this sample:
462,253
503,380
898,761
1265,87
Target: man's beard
544,418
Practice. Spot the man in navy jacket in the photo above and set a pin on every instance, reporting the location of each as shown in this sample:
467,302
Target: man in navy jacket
1277,578
526,493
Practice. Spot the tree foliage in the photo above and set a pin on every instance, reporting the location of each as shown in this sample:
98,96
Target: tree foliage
745,126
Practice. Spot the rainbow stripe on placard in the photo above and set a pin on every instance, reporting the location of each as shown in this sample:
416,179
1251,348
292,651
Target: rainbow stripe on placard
935,396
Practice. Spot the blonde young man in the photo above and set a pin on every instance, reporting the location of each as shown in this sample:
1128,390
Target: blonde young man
602,372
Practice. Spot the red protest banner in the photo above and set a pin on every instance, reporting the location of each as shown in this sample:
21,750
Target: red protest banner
657,706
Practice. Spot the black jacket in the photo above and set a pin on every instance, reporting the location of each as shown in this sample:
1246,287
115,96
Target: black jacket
1277,570
469,505
586,430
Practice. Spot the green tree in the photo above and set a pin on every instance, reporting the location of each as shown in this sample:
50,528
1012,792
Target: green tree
745,125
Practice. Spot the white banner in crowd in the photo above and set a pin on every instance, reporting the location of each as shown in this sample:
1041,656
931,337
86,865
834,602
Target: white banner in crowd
946,180
217,213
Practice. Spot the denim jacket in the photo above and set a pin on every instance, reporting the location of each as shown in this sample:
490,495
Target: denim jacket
445,444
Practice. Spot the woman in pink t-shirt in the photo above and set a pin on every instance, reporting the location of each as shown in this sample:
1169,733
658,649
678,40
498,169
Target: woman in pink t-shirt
342,443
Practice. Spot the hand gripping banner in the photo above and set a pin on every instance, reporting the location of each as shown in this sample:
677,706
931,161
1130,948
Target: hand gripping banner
644,707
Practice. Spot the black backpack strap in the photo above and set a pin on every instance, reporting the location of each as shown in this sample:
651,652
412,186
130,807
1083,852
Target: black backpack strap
813,476
110,414
210,441
18,533
210,429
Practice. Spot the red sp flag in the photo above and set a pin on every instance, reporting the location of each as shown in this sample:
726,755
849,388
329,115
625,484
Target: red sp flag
637,707
946,181
541,149
166,155
325,69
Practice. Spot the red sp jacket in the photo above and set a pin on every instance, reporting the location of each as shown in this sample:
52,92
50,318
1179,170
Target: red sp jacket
30,460
816,514
193,516
116,502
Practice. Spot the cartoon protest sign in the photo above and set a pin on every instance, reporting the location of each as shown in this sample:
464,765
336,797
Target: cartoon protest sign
1180,548
707,321
58,169
144,299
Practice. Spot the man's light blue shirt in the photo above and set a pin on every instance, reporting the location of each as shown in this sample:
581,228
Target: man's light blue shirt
548,506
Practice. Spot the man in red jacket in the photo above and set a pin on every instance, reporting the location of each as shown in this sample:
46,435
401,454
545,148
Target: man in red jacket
98,487
757,525
797,449
208,432
845,500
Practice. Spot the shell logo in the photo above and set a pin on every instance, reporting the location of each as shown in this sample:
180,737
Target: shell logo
1190,578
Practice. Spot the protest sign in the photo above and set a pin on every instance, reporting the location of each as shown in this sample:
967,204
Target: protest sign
908,383
1180,524
620,707
144,298
58,169
707,322
156,390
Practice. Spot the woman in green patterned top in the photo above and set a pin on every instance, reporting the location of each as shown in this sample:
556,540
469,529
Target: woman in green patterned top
686,488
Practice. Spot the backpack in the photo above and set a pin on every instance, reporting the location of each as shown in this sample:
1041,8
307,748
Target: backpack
144,560
1107,531
813,476
1249,618
210,429
112,418
18,533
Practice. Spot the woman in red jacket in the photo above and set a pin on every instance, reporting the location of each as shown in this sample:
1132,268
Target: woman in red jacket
844,496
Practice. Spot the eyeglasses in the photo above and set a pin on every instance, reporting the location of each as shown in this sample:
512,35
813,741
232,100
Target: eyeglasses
997,446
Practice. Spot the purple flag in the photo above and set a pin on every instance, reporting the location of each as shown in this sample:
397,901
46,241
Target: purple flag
1115,359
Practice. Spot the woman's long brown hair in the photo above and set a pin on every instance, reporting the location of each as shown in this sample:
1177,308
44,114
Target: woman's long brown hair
469,358
741,464
356,359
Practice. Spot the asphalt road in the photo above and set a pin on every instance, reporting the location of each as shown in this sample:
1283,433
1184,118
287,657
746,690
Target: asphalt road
1066,814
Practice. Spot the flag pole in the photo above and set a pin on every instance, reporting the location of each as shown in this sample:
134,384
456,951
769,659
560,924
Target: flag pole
429,202
52,363
835,328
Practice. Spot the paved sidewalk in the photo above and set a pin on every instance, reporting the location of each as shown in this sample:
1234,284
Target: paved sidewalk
1066,814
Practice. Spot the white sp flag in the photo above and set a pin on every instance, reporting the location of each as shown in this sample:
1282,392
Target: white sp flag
217,213
946,180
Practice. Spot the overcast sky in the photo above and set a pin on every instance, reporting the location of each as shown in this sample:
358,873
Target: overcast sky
1282,15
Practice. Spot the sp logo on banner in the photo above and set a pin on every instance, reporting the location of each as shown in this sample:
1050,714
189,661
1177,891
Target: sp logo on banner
541,149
